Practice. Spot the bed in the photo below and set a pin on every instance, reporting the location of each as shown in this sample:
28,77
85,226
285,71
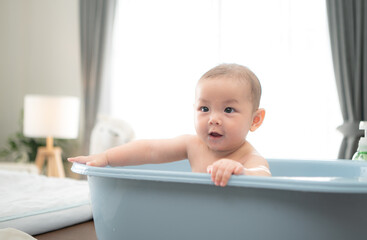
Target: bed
40,205
54,208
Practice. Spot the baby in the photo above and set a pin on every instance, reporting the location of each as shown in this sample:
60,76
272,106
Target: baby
226,108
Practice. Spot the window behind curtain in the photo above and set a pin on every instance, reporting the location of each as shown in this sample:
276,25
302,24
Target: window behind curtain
162,47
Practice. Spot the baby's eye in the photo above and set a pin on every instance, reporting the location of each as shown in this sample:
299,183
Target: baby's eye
204,109
229,110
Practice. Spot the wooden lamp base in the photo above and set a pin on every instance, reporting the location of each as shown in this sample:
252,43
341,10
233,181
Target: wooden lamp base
55,167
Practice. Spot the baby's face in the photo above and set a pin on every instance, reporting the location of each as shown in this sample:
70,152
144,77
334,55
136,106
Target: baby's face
223,113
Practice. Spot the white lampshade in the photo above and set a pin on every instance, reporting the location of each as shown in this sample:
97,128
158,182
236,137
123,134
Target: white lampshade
51,116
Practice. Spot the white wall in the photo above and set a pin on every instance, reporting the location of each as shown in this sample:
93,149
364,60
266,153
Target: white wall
39,54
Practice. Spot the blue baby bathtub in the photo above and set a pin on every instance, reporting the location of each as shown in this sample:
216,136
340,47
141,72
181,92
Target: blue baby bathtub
304,199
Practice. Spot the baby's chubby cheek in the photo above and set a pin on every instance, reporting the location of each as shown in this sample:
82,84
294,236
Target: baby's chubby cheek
201,129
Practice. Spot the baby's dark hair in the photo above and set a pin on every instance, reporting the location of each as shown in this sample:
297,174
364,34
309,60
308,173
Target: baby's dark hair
241,73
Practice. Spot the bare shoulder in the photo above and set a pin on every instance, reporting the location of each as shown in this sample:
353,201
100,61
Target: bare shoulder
255,164
188,139
254,159
194,145
171,149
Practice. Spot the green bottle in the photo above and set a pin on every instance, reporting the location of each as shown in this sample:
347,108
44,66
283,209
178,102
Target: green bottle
361,154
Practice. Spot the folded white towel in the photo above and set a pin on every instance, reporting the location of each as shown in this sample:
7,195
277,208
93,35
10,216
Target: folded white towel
14,234
36,203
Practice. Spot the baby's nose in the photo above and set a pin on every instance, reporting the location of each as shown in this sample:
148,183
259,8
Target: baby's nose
214,120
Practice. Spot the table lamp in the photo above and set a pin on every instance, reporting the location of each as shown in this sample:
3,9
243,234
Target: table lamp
51,117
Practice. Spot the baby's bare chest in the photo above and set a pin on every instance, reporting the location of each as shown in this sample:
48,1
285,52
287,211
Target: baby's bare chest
199,163
201,157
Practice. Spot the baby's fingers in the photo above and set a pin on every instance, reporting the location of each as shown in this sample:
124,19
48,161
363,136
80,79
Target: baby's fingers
217,175
226,176
97,160
80,159
239,170
88,160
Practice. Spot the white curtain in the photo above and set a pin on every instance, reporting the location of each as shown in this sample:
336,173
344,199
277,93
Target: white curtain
161,48
96,26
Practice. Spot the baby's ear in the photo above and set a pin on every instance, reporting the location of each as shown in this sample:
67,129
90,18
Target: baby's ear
257,119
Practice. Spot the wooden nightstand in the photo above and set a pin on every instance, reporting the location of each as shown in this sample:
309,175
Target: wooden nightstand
55,168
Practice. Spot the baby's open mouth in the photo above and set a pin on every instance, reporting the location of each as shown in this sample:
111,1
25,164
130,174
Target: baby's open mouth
215,134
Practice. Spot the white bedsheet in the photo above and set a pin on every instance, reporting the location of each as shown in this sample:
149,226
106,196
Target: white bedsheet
36,204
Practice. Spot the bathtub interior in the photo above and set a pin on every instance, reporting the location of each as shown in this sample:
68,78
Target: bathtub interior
339,176
318,168
179,166
284,168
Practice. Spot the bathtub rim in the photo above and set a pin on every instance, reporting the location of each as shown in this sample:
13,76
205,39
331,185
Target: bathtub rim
303,184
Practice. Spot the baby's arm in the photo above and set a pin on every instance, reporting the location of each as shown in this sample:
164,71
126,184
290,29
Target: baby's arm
139,152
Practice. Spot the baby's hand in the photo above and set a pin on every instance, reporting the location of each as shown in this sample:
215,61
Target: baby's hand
96,160
222,170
